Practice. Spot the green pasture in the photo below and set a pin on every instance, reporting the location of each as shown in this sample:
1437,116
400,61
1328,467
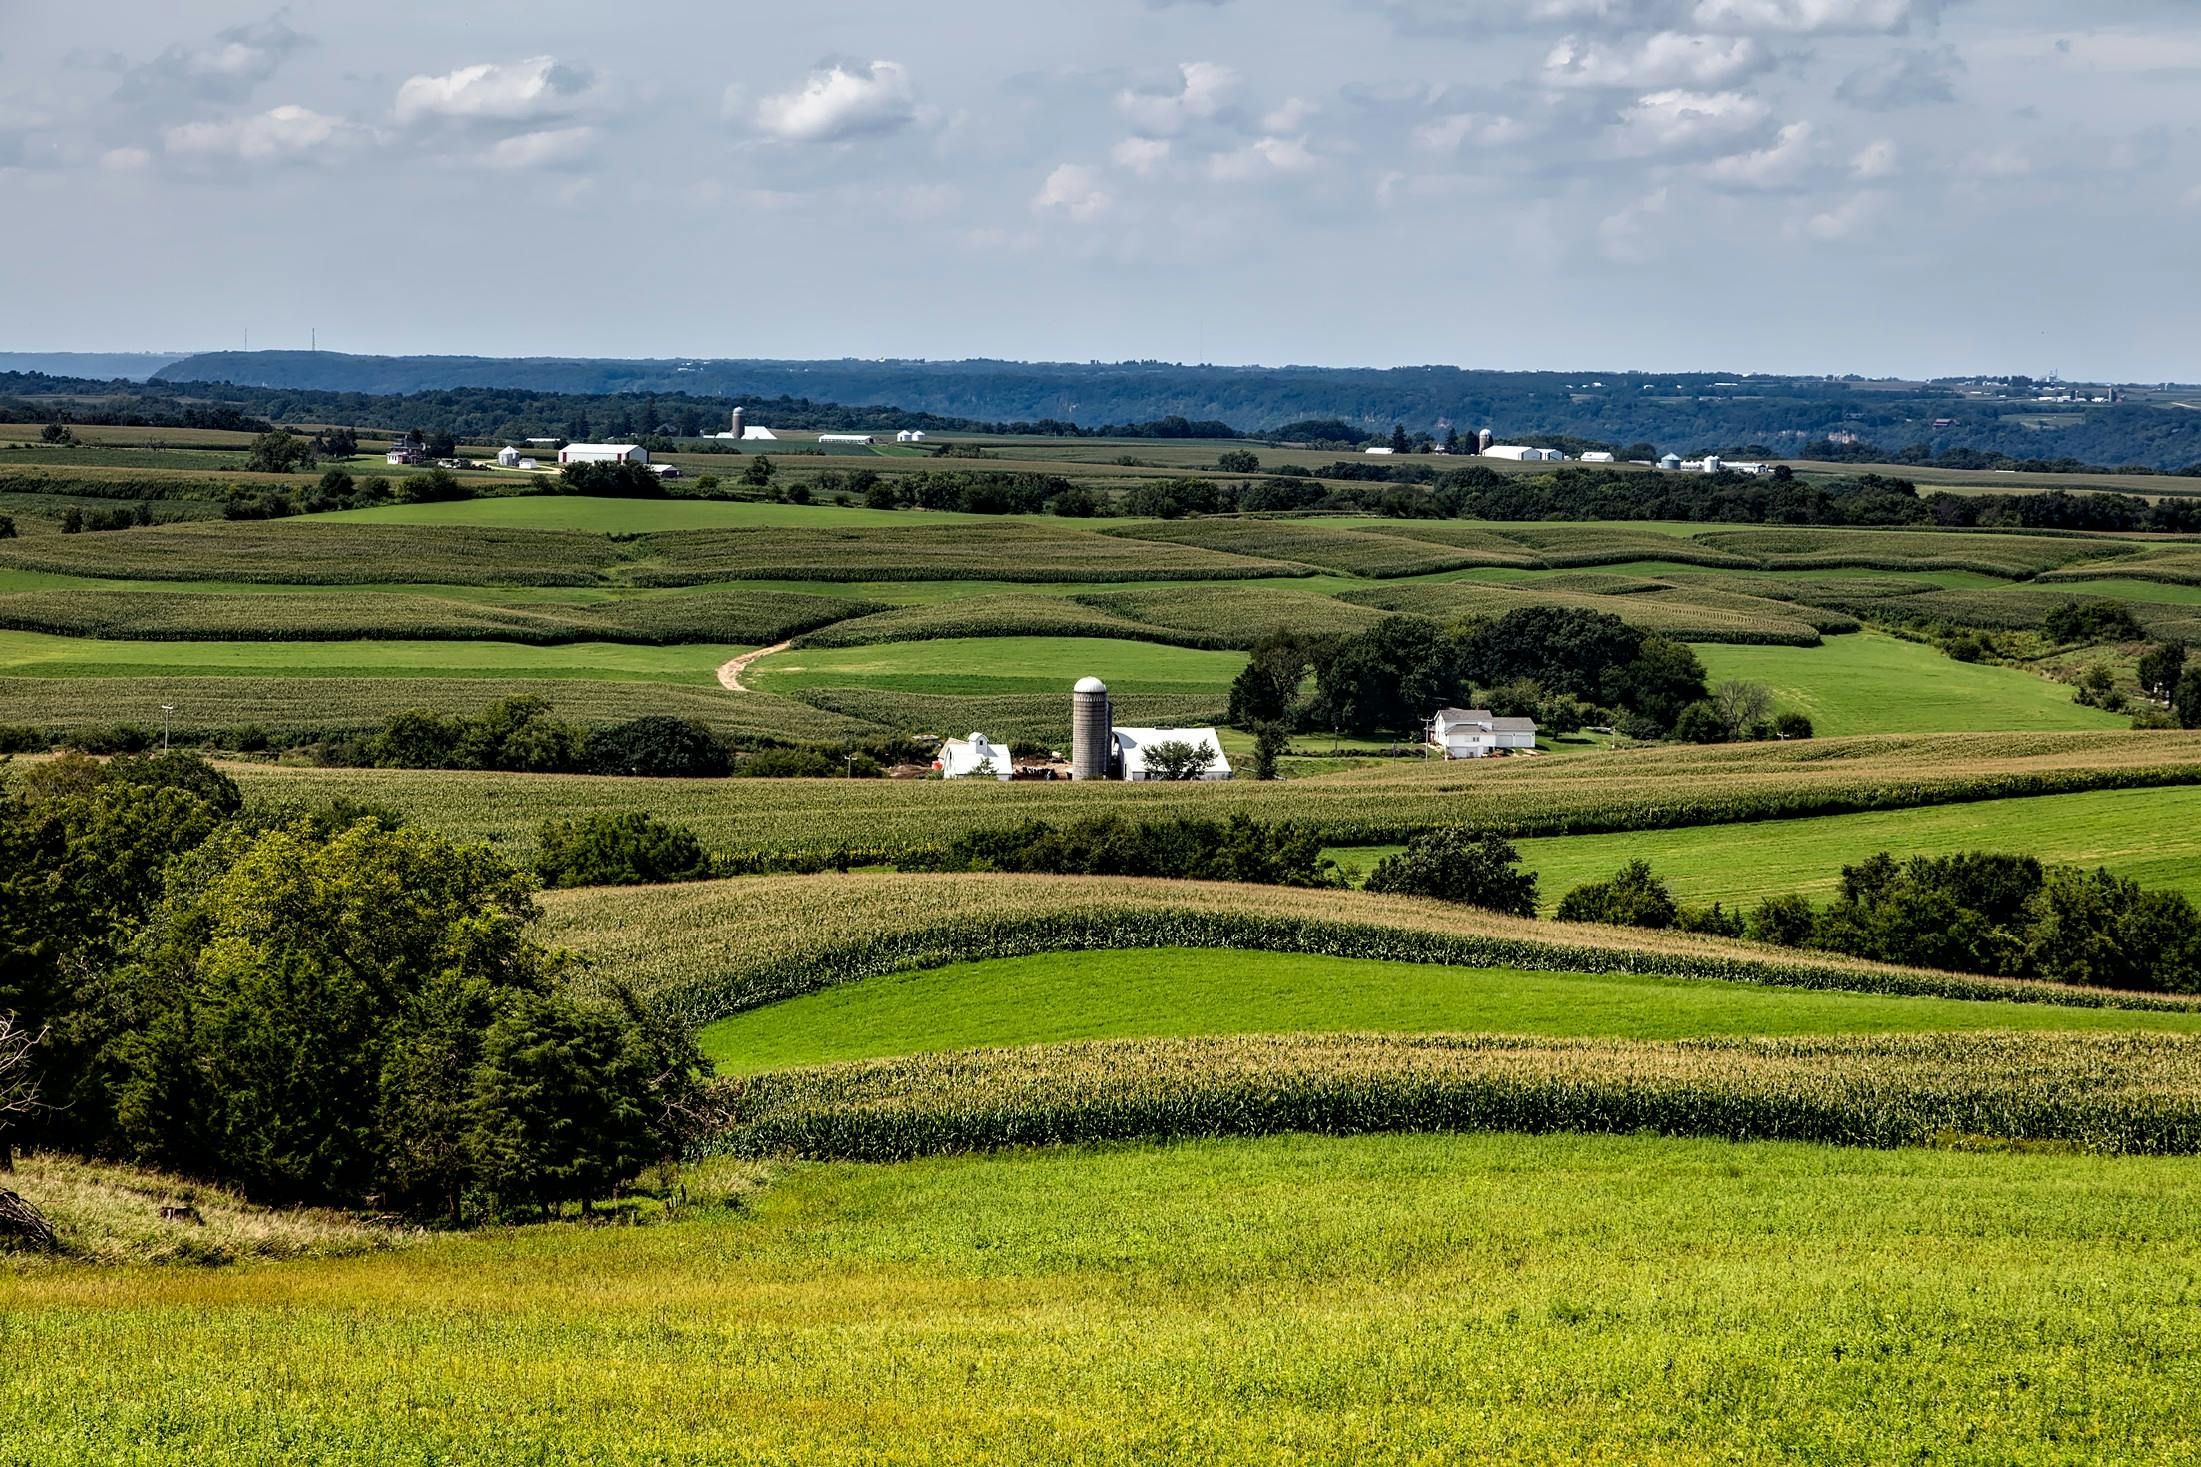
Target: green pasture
1167,992
35,654
1872,683
1441,1298
979,666
2149,836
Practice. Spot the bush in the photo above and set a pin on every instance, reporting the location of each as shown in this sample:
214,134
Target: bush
2093,621
1791,726
437,486
1238,849
1701,723
657,747
619,850
1455,866
1239,461
16,738
179,771
1633,898
112,738
1786,920
1712,921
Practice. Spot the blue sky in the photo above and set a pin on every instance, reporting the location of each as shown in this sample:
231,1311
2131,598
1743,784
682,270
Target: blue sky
1880,186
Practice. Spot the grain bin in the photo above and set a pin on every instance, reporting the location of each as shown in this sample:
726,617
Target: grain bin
1092,731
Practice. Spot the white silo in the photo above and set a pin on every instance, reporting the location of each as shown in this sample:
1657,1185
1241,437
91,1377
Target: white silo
1092,731
1484,439
738,423
1712,464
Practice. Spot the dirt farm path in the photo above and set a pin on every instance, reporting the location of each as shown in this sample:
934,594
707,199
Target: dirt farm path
729,675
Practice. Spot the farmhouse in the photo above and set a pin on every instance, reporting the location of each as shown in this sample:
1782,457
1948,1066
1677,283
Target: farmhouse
407,454
603,453
975,757
1475,733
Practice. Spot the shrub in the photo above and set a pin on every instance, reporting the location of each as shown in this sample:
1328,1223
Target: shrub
437,486
1712,921
2093,621
1791,726
1239,461
1456,866
1632,898
1701,723
180,771
17,738
112,738
1238,849
1786,920
657,747
631,849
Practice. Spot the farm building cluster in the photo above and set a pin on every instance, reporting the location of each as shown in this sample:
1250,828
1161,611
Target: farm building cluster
1484,444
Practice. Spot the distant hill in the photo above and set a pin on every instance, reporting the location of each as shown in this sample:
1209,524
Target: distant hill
96,366
1687,412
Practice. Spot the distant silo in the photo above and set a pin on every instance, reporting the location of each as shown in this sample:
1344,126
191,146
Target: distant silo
737,425
1484,439
1712,464
1092,731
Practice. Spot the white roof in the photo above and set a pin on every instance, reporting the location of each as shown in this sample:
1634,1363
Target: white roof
1132,743
603,447
1090,685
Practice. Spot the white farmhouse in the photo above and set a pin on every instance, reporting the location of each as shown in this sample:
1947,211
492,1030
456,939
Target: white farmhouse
1475,733
1133,743
976,757
603,453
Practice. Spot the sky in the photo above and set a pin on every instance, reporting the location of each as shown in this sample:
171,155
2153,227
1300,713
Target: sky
1889,187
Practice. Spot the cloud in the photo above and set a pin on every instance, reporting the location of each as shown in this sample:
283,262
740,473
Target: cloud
1075,190
2004,162
533,90
1815,17
1263,158
1904,79
125,160
1201,92
1682,121
1625,235
841,102
287,134
225,69
1141,155
546,148
1667,59
1846,220
1450,133
1780,164
1877,160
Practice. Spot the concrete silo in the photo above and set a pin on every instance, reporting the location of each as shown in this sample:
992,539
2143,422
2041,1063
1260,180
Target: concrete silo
738,423
1092,731
1483,440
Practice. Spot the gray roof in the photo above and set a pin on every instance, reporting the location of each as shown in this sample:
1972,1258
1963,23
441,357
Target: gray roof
1464,715
1513,725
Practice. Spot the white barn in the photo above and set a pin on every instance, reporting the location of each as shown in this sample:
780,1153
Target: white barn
1476,733
1520,453
603,453
750,433
862,438
1132,744
976,757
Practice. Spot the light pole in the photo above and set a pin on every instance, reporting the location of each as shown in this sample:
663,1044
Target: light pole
167,715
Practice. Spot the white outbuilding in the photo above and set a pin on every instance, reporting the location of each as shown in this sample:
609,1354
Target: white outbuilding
1521,453
603,453
976,757
750,433
910,435
1380,451
864,439
508,457
1132,745
1597,458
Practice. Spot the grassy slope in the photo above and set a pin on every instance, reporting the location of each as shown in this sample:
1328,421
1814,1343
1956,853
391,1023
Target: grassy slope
1174,991
1429,1298
36,654
994,665
2151,836
1879,684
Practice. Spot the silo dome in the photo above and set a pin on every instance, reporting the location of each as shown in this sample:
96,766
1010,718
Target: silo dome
1090,685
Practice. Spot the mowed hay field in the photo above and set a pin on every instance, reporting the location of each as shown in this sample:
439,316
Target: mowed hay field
1054,998
1338,1300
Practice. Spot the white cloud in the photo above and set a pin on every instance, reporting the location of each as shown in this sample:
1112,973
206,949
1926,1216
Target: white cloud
2004,162
1450,133
1904,79
281,134
1877,160
1263,158
125,160
494,91
1678,121
1815,17
1625,235
226,69
547,148
1201,92
1141,155
1668,59
1291,117
1781,164
1845,220
842,102
1074,189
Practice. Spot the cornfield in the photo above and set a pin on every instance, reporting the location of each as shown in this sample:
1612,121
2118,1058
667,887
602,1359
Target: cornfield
2113,1094
703,951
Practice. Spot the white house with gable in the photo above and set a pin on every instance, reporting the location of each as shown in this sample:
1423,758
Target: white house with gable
1475,733
976,757
1132,745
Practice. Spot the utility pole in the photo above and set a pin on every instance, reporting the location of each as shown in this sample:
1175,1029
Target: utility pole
167,715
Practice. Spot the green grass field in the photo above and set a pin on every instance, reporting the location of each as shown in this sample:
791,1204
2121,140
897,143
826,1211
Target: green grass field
980,666
1060,997
2150,836
1294,1299
1873,683
36,654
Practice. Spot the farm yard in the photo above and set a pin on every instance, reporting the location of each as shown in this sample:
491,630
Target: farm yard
1078,1163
